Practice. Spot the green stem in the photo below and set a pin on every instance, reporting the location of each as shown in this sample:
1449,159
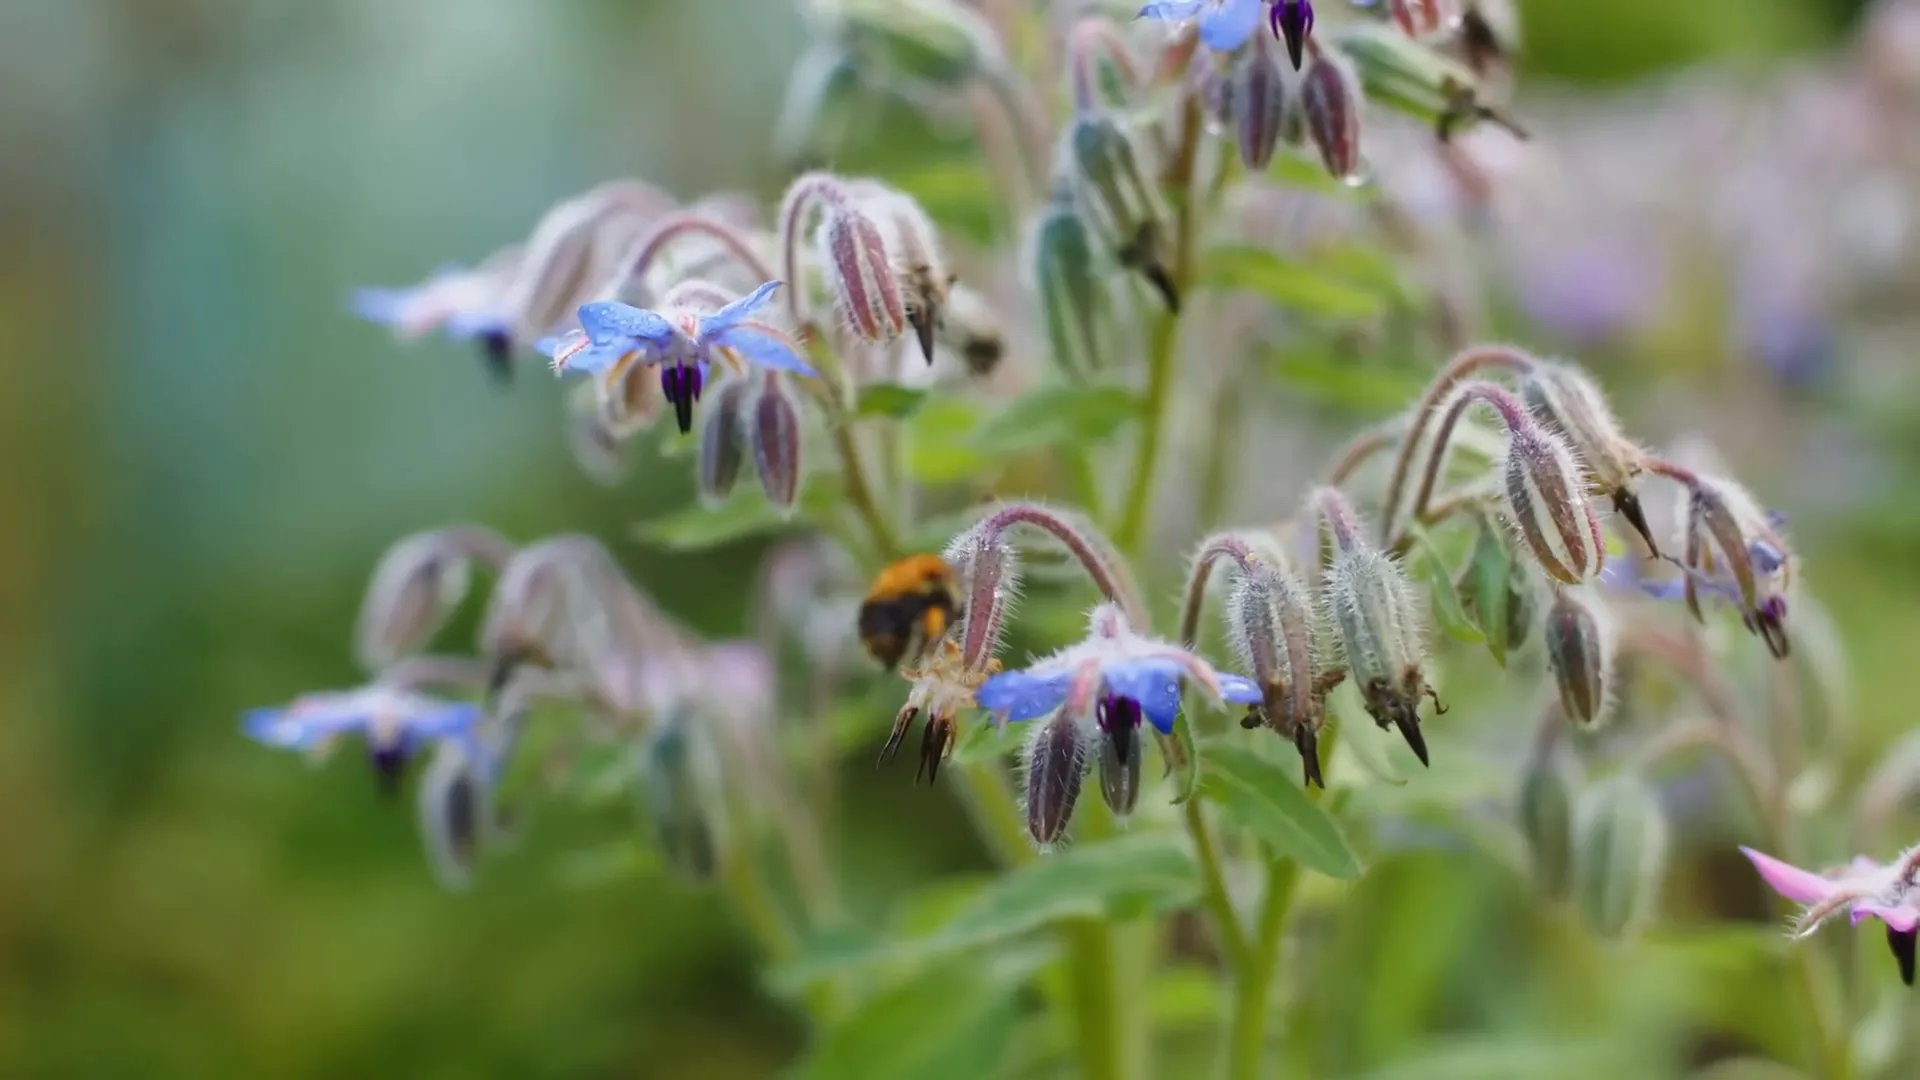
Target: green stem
853,472
990,803
755,904
1213,886
1246,1041
1094,977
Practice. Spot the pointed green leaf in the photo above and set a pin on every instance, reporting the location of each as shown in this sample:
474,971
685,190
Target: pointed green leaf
889,400
952,1022
1183,760
1488,585
1259,796
1295,286
747,513
1057,416
1447,610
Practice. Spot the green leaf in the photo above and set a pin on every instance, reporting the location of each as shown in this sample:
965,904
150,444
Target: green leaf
889,400
952,1022
608,864
1350,382
1447,610
986,740
941,449
1057,416
957,194
1515,1057
1295,286
1488,583
747,513
1260,797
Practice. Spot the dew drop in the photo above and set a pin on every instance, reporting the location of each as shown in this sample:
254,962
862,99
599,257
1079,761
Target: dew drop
1361,176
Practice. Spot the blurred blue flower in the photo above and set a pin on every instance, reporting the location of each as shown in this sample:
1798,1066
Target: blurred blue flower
467,304
1225,25
682,340
394,723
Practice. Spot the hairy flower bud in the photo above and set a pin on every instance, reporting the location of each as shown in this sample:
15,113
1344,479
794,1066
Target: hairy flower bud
722,442
1330,100
1056,765
417,586
919,265
1377,614
1423,18
1547,503
1545,816
1564,400
596,444
454,803
1258,100
987,569
867,291
1068,285
557,271
1736,548
1579,635
676,779
773,431
1272,625
1620,854
1099,161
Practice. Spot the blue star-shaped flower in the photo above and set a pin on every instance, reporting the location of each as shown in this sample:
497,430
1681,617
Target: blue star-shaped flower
394,723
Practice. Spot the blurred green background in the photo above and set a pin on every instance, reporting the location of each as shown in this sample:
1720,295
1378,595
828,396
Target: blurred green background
205,455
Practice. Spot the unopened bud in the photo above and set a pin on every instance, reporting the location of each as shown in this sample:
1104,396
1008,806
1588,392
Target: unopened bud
1620,855
1409,77
417,586
1272,625
1580,651
986,568
1375,609
454,801
1330,100
630,401
673,780
1068,285
557,271
1564,400
1547,503
722,442
853,252
1056,765
919,265
1114,192
1120,752
1258,100
773,431
1422,18
1545,814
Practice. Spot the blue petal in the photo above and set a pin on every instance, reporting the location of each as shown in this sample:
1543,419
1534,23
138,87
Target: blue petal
606,320
1240,689
592,359
288,730
383,306
742,308
1021,696
1154,683
758,347
1173,11
444,722
1229,27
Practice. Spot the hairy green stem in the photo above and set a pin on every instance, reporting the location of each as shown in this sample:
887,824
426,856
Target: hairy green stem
1213,886
853,473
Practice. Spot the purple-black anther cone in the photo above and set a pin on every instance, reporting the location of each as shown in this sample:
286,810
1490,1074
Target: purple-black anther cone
496,354
681,384
1119,718
389,764
1292,22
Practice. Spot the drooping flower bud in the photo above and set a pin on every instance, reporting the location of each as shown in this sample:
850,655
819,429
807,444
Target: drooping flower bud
1056,765
557,271
454,802
1376,611
417,586
1119,721
1423,18
1736,549
1099,161
1620,854
1564,400
1330,100
675,780
1068,286
1545,816
1580,650
986,567
773,431
1258,100
867,291
1547,502
919,265
722,442
1272,625
1292,22
595,443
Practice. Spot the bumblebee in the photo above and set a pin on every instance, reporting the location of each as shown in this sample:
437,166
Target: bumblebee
908,609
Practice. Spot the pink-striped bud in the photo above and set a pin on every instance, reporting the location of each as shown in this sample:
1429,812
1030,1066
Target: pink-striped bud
1564,399
1547,503
773,431
1423,18
722,441
1580,651
867,291
417,586
1258,100
1056,762
1330,99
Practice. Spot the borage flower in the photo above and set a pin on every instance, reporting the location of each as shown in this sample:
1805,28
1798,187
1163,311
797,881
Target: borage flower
468,304
681,339
1768,579
1865,889
394,723
1096,693
1225,25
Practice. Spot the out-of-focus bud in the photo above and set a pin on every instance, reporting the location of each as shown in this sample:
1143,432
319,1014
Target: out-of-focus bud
940,42
920,266
1422,18
1620,855
971,329
1488,35
417,586
557,272
1579,634
1258,100
1734,547
867,291
1104,173
1545,816
722,442
1568,403
773,431
1408,77
454,801
675,780
596,445
1377,613
820,96
631,402
1067,283
1330,100
1056,765
986,568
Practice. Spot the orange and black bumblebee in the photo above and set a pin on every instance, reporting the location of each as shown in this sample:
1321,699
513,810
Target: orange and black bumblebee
908,609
